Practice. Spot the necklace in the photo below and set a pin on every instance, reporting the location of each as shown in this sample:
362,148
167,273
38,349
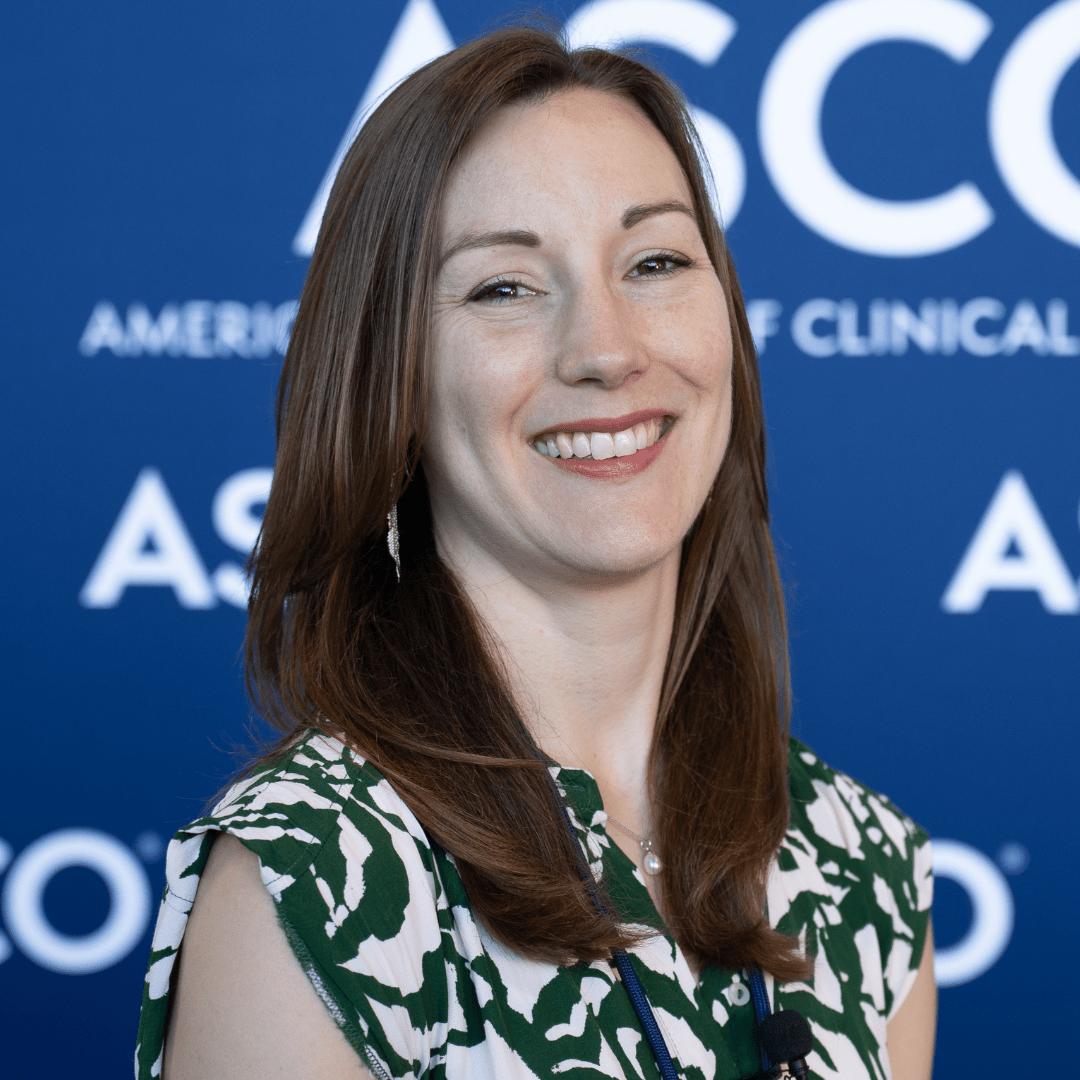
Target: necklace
650,861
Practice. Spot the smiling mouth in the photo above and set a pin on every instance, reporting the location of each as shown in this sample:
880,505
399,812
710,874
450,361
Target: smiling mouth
602,445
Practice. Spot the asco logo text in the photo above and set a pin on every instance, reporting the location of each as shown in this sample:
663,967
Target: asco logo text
1020,108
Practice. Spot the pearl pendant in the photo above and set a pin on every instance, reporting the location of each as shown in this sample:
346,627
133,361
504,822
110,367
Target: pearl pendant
650,861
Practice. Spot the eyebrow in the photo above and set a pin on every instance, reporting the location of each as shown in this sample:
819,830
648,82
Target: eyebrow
495,238
526,238
638,214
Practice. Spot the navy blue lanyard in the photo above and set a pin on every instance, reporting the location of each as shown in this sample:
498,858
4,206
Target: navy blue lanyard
640,1001
636,992
760,997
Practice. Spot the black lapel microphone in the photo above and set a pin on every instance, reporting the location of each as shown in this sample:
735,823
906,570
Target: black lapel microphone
786,1038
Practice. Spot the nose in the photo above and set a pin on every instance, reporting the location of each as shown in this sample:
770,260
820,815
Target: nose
598,343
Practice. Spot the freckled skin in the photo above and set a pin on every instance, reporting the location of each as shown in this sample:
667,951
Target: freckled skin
578,326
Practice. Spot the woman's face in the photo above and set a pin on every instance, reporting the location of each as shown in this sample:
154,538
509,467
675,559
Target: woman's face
581,373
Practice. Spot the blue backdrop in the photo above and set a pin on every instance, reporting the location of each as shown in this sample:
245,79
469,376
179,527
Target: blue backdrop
900,181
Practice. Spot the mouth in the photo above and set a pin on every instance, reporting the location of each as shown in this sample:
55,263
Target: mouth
622,445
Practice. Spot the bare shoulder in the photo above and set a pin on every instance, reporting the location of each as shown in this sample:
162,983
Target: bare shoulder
912,1030
242,1008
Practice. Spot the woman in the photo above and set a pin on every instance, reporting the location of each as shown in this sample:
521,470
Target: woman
522,339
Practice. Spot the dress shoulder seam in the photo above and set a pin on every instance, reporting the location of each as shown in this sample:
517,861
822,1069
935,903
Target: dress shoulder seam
272,775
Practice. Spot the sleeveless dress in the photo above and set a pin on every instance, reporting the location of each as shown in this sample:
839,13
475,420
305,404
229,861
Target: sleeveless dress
380,922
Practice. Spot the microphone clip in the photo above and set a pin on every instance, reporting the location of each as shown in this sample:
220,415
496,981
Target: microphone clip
793,1070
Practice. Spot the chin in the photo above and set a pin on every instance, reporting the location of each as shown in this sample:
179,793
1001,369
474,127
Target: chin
613,560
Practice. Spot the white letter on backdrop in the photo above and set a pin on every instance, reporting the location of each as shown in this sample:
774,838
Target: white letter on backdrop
1012,519
103,331
1062,343
764,319
1021,120
129,901
789,127
239,528
148,517
419,37
804,332
233,504
992,913
968,319
695,28
145,334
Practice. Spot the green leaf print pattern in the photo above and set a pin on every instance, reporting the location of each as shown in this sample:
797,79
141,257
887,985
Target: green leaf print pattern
379,920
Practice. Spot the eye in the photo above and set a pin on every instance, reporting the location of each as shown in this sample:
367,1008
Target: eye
660,265
501,290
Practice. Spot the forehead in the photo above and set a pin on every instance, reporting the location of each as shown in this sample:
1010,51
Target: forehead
579,152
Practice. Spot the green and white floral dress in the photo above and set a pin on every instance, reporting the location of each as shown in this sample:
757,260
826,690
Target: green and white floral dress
379,920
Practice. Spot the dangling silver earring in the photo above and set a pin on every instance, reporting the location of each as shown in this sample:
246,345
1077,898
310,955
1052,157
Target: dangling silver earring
393,539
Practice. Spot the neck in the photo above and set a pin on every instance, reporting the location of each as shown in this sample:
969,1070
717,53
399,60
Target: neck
585,666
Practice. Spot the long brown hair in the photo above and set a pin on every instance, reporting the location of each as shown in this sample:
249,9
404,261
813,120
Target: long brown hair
401,669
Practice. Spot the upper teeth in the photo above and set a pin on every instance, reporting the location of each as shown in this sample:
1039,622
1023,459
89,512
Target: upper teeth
600,445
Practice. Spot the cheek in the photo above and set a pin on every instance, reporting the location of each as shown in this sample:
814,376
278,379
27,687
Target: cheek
477,387
704,356
695,334
706,364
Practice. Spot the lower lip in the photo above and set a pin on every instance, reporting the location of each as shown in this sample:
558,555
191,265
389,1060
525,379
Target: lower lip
613,468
